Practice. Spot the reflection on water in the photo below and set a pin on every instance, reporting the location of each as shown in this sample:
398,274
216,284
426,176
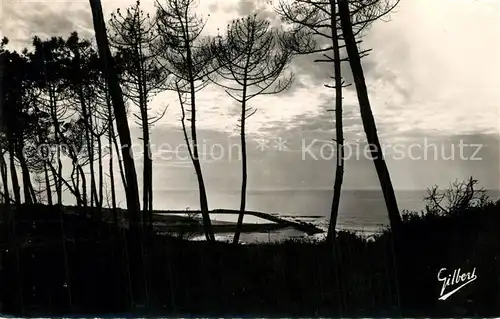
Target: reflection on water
290,233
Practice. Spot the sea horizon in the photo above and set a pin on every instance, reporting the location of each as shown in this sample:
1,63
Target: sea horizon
362,210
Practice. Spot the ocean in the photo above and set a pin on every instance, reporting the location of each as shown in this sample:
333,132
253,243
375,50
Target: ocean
360,210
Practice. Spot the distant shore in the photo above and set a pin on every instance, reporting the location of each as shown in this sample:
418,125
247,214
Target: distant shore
189,222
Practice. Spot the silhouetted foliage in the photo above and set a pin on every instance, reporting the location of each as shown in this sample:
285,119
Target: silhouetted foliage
189,58
62,99
460,195
275,276
132,35
252,58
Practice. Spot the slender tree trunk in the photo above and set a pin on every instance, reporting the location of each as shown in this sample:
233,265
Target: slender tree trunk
27,185
380,165
93,190
339,129
94,202
57,132
150,184
13,175
112,176
147,176
239,224
55,173
48,188
203,194
147,179
207,224
203,202
76,185
55,122
136,260
120,162
59,180
101,178
197,166
145,136
241,215
5,181
84,185
368,119
145,187
119,110
148,161
89,139
34,196
145,171
191,155
111,134
147,210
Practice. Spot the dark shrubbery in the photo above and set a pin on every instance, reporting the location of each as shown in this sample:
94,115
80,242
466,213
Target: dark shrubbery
291,278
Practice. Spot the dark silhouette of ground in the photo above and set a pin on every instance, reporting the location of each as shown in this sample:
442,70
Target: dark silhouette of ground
86,273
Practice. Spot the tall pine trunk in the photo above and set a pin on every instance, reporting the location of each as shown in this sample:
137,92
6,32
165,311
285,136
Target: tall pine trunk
120,161
136,261
244,176
112,175
90,143
119,111
207,224
48,188
99,181
146,180
111,134
81,173
369,125
76,185
57,132
203,197
150,176
148,160
145,140
370,129
339,129
89,139
101,172
13,174
28,190
5,181
339,169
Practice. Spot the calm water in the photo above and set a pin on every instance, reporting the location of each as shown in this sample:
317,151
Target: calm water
359,209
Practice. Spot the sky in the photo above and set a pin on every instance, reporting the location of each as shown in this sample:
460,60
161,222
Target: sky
432,80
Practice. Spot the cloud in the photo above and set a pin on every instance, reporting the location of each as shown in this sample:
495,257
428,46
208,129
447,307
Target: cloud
435,67
432,69
21,20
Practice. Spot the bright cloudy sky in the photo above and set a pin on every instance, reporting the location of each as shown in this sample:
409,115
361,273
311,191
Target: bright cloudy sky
433,72
433,67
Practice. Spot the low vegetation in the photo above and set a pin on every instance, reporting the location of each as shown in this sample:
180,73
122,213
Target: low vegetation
56,249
